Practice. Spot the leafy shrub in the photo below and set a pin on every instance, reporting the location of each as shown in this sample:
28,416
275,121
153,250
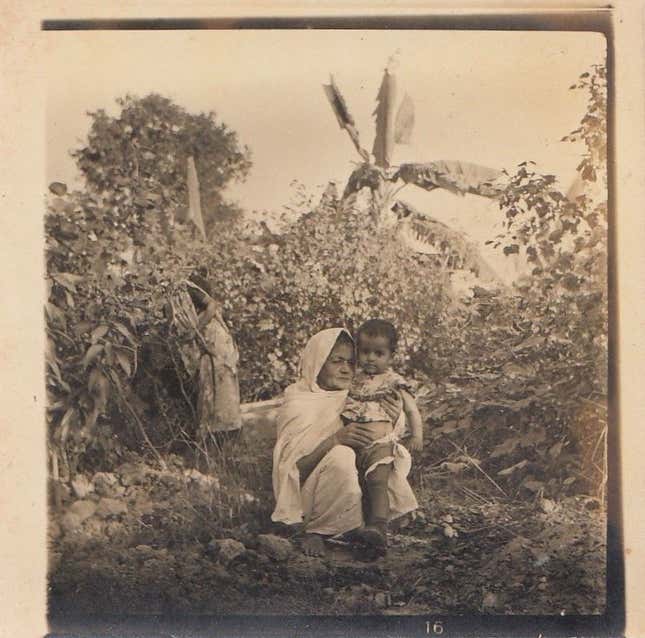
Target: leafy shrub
508,377
140,158
530,365
330,268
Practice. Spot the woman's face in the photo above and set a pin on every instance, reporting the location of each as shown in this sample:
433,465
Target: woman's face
338,371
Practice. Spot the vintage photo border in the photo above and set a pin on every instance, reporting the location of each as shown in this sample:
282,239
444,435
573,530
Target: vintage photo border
19,302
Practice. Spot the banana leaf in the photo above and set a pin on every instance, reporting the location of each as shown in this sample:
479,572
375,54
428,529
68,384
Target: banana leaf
384,114
452,175
425,235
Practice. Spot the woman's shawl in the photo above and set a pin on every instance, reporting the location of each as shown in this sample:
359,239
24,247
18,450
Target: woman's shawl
308,415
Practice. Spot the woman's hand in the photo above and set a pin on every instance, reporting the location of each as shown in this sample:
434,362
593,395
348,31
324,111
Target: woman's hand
392,404
355,435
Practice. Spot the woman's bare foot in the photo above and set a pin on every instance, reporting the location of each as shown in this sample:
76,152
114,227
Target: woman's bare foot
313,545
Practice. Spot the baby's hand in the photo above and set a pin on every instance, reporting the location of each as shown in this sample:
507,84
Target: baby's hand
416,443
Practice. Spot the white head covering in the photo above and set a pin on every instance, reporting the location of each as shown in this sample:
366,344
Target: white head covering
314,356
308,415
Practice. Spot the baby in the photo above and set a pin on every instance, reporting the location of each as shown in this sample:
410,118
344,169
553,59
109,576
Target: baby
376,343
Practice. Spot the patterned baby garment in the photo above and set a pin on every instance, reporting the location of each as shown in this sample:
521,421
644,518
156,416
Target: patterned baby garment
363,402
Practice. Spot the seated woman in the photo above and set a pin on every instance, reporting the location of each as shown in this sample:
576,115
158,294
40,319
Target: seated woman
315,480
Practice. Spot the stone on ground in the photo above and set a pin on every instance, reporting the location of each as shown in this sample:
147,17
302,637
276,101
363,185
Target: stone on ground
109,507
227,549
81,486
275,547
83,509
305,568
203,481
114,530
105,483
94,527
143,506
132,474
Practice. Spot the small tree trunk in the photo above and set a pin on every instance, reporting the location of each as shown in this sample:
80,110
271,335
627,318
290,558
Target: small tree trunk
382,201
194,200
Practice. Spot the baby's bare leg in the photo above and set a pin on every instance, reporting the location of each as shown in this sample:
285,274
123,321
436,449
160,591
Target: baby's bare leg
376,483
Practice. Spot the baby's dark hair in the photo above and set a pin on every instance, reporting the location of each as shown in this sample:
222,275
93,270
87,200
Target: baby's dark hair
379,328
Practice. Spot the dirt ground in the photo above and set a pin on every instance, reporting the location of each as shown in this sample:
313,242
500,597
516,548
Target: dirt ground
145,540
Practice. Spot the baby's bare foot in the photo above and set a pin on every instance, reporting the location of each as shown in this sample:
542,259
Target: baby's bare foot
371,535
313,545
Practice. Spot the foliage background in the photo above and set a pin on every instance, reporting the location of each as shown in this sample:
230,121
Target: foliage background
512,380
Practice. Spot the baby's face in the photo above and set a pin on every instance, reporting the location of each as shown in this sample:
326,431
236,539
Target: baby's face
374,354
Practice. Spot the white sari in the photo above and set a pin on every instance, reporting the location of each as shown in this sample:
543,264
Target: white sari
330,501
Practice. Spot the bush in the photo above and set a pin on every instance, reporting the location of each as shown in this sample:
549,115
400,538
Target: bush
514,378
140,158
529,365
108,292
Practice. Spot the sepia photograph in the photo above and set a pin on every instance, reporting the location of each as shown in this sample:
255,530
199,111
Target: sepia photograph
328,326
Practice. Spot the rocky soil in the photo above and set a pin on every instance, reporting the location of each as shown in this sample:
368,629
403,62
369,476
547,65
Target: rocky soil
145,540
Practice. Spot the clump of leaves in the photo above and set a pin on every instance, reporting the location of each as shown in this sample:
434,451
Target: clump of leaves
139,157
593,126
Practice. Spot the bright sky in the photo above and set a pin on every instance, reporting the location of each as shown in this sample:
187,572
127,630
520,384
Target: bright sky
494,98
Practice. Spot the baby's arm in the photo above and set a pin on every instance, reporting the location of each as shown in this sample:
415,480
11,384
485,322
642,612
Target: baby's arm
413,417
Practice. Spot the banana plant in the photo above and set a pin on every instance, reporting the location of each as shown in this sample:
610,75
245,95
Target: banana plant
376,172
